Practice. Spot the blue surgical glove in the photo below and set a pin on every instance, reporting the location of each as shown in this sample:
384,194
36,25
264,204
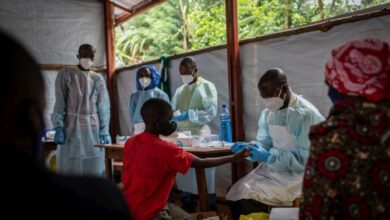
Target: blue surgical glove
59,137
239,146
105,139
258,153
183,116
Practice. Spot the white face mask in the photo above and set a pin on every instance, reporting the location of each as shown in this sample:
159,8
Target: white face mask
145,81
187,79
86,63
274,103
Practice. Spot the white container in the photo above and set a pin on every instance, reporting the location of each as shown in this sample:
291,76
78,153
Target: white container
181,141
211,137
197,141
284,213
205,131
184,141
121,139
139,128
186,133
50,135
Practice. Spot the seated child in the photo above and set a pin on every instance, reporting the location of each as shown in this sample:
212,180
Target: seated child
151,164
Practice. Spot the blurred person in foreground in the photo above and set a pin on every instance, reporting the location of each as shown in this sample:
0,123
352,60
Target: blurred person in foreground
27,184
348,172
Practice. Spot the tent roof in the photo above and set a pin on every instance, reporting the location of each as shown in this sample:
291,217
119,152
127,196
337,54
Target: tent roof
125,9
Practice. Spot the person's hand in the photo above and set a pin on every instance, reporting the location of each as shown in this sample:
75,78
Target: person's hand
258,153
59,137
239,146
183,116
105,139
242,154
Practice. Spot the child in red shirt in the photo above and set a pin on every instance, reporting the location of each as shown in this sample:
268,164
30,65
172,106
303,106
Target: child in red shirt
151,164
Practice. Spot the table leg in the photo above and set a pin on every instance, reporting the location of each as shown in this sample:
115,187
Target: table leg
202,189
108,164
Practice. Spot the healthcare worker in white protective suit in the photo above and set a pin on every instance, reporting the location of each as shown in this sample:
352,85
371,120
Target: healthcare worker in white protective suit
281,148
147,79
196,100
81,117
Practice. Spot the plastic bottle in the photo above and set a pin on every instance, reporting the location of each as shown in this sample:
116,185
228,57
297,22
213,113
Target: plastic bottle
117,139
226,127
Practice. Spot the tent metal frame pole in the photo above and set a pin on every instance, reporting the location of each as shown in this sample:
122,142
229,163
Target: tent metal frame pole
234,80
143,6
121,7
110,60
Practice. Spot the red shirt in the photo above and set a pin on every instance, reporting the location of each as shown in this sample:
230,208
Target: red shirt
150,168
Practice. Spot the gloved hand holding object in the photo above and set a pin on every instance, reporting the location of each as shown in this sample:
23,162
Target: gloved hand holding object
105,139
59,137
104,136
239,146
183,116
258,153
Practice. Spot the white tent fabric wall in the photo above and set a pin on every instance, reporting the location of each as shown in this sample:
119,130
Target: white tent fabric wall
126,86
52,30
303,58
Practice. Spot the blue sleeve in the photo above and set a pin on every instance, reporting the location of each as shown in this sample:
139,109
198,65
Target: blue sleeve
299,123
103,106
162,95
61,92
209,95
262,137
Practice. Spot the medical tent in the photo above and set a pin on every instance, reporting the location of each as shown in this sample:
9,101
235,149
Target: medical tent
52,30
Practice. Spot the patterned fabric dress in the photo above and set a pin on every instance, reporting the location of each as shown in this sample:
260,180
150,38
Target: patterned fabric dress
348,172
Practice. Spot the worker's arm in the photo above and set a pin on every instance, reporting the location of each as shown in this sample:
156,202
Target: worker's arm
213,162
61,94
103,107
299,122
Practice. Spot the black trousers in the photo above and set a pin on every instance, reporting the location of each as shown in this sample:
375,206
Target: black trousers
189,204
245,207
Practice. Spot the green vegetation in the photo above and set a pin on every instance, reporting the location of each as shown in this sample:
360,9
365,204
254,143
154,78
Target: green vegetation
178,26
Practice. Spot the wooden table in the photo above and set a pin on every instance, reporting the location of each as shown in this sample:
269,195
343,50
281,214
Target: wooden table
115,152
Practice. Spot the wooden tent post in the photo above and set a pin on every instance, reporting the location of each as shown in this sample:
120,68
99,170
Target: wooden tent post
234,77
110,56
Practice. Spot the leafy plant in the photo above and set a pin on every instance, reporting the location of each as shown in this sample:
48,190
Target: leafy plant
178,26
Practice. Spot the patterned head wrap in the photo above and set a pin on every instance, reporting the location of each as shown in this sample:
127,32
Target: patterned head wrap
361,68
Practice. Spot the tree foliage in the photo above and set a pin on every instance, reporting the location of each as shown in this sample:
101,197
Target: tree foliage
177,26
